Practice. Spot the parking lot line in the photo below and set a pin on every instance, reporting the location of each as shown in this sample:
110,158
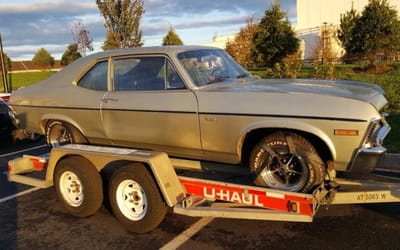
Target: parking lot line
187,234
22,151
18,194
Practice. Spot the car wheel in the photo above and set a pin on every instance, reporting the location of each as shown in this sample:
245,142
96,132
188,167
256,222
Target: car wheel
286,161
61,133
79,186
135,199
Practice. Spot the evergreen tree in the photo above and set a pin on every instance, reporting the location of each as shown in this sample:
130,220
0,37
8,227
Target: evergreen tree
376,33
274,38
171,38
122,21
43,59
70,54
348,21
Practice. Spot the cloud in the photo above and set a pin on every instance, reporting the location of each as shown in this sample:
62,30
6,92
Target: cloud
28,26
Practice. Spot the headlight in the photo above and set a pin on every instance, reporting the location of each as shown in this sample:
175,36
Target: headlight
377,131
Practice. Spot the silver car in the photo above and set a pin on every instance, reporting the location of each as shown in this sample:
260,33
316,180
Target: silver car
198,103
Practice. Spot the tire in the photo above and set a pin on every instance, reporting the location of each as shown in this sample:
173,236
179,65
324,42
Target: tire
61,133
79,186
135,199
287,161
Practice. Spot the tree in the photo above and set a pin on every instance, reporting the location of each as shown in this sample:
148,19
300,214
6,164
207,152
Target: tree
81,38
43,59
274,38
240,47
345,31
70,54
122,21
171,38
376,33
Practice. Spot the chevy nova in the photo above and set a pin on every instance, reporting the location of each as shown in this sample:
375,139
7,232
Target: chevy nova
198,103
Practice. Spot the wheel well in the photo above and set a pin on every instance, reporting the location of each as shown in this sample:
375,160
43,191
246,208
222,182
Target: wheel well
254,136
79,136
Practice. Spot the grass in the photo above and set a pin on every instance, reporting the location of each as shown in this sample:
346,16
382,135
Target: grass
389,81
19,80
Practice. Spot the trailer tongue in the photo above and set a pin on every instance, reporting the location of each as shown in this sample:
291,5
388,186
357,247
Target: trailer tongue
141,184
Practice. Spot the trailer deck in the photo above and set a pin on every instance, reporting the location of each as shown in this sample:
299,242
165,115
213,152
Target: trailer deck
196,188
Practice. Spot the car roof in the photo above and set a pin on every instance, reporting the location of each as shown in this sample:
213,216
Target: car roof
149,50
71,71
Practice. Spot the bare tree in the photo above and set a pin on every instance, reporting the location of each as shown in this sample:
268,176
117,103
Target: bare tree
81,37
122,21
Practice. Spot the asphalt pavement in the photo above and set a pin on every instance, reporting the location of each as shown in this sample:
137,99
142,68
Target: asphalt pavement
10,150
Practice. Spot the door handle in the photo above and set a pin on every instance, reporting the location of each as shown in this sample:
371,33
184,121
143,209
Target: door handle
106,100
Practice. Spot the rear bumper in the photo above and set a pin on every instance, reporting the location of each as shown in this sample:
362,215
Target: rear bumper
367,159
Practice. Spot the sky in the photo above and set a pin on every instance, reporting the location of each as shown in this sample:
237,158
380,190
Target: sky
26,26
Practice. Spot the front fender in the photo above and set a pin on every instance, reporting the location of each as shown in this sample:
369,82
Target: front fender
289,125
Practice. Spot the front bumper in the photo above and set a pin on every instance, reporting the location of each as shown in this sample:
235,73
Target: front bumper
367,159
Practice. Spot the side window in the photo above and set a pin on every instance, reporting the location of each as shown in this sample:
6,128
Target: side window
173,79
140,73
96,77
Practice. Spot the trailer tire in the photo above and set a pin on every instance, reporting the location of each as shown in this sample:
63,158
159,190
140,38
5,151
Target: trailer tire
288,162
79,186
135,199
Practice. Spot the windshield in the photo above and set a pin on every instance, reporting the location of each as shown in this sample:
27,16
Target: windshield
208,66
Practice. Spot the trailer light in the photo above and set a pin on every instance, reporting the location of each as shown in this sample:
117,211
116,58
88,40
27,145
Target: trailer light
346,132
39,164
293,207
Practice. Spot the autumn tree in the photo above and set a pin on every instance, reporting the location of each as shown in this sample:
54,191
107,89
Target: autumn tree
43,59
171,38
81,38
240,47
273,39
122,21
70,54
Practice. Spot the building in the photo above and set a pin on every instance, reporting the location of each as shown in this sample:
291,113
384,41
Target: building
220,41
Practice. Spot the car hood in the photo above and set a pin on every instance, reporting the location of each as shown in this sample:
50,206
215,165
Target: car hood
365,92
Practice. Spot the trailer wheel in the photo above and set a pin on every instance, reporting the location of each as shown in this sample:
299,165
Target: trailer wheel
135,199
79,186
287,161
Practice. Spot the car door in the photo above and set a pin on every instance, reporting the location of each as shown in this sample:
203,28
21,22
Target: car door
85,102
150,107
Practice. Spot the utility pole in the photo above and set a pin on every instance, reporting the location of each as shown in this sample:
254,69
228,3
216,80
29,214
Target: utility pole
3,68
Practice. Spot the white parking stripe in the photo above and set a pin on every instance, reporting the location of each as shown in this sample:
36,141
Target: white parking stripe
187,234
22,151
18,194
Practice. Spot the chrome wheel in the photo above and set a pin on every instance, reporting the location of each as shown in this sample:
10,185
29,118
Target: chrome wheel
284,172
58,134
286,161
